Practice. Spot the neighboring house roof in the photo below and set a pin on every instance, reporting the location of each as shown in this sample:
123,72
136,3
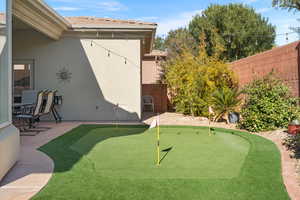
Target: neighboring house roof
96,22
157,53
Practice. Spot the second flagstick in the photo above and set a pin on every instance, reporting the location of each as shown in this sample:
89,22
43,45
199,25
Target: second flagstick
158,137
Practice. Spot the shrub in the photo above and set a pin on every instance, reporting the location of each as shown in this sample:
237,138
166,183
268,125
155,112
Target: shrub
292,143
192,81
268,105
224,101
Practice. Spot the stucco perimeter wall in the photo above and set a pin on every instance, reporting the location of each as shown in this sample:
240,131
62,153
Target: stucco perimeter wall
284,61
9,148
98,81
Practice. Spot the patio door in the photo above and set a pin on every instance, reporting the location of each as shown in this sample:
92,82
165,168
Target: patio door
23,78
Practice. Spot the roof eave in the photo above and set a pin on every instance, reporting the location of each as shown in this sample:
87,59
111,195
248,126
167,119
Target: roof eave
41,17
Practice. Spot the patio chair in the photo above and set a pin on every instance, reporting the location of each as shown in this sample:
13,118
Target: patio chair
48,104
28,98
50,97
148,102
32,113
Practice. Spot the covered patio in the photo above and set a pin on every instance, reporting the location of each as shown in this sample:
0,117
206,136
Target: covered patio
91,63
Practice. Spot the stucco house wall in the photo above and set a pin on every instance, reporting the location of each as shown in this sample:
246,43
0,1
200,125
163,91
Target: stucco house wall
9,135
98,81
151,70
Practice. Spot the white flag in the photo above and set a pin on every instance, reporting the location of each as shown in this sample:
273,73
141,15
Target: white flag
153,124
210,110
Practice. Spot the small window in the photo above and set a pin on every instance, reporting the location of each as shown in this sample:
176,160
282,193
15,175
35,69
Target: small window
22,79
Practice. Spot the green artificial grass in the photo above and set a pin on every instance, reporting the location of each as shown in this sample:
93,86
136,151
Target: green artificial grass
105,162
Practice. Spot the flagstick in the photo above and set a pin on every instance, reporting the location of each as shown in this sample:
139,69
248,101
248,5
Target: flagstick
158,150
209,130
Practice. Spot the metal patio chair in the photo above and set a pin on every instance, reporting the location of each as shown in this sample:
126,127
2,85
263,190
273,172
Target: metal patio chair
31,113
148,102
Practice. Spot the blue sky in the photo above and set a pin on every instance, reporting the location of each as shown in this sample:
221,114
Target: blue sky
171,14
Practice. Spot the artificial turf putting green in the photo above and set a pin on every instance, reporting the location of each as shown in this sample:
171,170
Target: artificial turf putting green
102,162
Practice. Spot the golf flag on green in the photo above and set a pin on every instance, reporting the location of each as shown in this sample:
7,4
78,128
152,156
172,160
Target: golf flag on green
155,123
210,112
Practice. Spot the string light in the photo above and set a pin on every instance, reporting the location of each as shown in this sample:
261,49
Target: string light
126,60
109,52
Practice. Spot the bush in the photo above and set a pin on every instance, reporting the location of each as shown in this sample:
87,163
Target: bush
292,143
268,105
224,101
192,80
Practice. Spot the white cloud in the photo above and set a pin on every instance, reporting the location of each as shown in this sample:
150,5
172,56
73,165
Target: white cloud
250,1
181,20
65,8
111,6
151,18
263,10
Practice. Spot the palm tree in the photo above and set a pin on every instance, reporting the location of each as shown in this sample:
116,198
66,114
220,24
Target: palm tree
224,101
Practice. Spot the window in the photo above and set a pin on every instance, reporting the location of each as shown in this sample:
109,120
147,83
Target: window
5,62
22,79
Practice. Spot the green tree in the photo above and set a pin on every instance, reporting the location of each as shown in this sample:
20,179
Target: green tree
159,43
193,78
240,30
287,4
178,41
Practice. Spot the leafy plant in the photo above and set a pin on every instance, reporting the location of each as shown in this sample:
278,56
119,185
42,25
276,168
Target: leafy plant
224,101
268,105
192,79
292,143
287,4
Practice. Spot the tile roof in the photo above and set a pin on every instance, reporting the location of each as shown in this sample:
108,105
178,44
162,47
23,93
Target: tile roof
157,53
82,22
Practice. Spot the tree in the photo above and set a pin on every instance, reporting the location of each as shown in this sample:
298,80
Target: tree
287,4
180,40
159,43
193,78
240,30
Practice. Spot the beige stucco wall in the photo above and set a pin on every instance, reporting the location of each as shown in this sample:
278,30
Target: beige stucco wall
151,70
98,81
9,148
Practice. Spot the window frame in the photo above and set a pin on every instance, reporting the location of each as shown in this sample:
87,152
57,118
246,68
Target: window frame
32,71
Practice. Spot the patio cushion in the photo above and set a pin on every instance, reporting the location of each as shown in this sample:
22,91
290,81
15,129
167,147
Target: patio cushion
24,116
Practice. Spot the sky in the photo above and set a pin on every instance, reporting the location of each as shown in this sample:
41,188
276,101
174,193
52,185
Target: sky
172,14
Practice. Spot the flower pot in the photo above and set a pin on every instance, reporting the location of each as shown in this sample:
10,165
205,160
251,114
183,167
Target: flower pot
293,129
233,117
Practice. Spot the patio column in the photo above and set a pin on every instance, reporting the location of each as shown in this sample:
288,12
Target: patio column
9,135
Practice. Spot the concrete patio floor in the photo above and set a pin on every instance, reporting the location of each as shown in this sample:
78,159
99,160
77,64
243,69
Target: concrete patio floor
34,169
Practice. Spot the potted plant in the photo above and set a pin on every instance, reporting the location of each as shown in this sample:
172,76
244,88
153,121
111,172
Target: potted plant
294,127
